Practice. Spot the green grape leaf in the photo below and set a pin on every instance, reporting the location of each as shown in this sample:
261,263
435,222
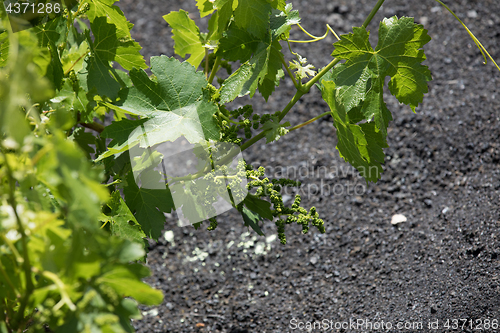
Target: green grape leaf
53,31
264,69
398,54
123,223
73,58
247,78
148,206
126,283
206,7
174,103
186,36
41,55
96,77
259,206
120,132
110,46
282,20
214,34
253,16
54,72
237,44
360,145
278,4
274,72
252,220
274,130
4,48
84,140
113,14
224,13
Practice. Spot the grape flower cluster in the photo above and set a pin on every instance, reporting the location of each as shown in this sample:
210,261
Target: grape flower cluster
265,188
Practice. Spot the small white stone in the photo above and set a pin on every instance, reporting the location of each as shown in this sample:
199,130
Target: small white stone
152,313
270,239
398,218
169,237
472,14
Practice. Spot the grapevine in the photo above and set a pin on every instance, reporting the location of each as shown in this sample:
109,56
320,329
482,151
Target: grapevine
80,196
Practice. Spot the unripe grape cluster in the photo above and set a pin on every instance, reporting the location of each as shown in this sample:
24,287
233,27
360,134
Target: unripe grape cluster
286,215
232,124
242,119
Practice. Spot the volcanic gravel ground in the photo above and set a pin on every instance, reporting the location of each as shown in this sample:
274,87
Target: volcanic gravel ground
442,173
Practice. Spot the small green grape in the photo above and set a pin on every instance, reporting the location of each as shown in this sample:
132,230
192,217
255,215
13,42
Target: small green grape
248,133
213,224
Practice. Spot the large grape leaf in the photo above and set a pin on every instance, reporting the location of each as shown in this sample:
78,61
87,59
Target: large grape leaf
398,55
253,16
148,206
53,31
122,221
173,103
96,76
110,46
246,79
186,36
261,57
237,44
120,132
274,71
112,42
219,21
50,36
359,144
114,15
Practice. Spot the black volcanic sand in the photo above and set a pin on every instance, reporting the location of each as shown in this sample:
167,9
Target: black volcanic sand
442,173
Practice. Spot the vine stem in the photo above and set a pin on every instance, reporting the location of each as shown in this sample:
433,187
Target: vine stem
287,108
26,260
206,63
318,76
372,13
214,69
229,119
74,64
300,92
94,126
288,70
310,121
